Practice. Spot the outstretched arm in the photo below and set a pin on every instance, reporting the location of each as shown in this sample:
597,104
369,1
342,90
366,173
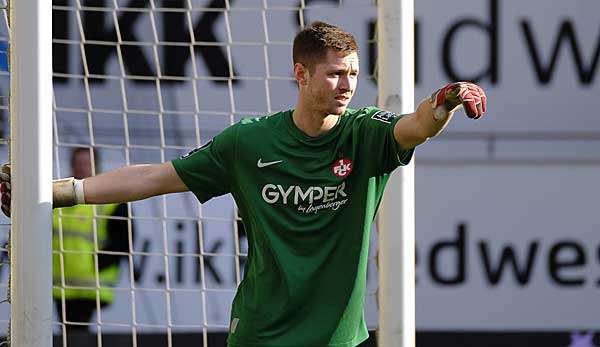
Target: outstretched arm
128,183
206,169
131,183
433,114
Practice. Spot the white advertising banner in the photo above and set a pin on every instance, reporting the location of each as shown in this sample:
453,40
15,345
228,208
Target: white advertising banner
508,247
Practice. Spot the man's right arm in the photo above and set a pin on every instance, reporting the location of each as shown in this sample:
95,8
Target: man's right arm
206,168
131,183
128,183
125,184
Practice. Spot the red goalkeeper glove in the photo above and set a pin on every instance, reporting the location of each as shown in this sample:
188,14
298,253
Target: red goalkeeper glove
453,95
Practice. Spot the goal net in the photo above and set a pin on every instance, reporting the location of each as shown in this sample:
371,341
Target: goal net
146,81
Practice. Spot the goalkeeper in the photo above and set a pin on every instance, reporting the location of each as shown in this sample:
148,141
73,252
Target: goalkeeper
307,182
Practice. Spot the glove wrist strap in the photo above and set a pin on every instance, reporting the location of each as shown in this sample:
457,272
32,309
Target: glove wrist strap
67,192
79,195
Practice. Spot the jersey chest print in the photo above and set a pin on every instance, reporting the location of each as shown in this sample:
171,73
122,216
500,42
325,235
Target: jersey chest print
312,198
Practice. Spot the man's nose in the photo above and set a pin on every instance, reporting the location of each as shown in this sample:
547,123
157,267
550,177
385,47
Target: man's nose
344,83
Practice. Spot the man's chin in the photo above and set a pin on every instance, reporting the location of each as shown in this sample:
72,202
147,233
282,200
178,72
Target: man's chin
338,111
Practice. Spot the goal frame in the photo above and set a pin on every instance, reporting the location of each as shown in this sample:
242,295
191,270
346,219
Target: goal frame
31,165
396,219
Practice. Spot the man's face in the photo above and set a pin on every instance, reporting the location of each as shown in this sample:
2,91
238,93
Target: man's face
329,88
82,165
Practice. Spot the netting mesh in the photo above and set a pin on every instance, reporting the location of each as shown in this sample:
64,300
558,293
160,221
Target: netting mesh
145,82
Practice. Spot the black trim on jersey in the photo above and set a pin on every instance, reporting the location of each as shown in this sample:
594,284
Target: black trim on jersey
195,150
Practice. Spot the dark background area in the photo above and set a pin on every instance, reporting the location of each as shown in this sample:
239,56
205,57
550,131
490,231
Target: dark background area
424,339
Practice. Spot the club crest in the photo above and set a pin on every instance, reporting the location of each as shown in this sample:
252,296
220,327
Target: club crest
342,167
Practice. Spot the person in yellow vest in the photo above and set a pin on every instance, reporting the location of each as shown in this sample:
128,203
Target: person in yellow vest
82,271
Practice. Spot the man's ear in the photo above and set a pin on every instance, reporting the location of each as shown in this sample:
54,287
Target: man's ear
300,73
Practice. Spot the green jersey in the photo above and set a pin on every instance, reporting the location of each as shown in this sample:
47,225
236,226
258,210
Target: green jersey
307,205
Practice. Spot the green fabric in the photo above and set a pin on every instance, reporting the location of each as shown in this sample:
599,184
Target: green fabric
308,228
76,226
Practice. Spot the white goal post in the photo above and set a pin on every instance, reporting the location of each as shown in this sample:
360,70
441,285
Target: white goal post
396,220
31,161
32,110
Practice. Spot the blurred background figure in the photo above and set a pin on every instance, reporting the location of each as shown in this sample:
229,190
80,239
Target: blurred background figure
87,240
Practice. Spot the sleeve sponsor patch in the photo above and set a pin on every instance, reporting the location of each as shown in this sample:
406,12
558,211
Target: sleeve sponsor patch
195,150
384,116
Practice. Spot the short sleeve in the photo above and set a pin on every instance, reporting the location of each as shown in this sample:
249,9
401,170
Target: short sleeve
207,171
377,133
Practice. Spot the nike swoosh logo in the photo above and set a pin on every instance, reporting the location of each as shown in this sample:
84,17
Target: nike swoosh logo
261,164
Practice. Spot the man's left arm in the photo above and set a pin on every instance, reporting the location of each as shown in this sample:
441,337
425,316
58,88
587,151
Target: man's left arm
433,114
